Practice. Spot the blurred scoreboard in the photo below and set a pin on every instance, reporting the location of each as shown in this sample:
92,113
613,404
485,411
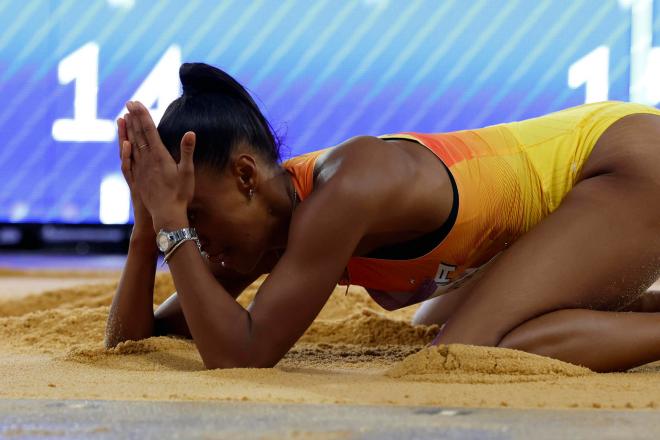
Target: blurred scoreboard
322,71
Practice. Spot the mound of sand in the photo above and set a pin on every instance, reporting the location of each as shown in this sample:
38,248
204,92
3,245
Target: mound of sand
368,328
469,364
52,347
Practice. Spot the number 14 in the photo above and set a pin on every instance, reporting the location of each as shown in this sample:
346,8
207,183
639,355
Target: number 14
159,88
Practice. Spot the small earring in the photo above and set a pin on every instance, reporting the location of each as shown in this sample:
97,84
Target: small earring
251,193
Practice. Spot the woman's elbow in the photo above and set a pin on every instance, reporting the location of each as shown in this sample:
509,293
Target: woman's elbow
115,334
252,359
112,340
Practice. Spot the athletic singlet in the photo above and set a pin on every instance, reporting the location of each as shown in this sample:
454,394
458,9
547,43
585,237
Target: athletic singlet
508,177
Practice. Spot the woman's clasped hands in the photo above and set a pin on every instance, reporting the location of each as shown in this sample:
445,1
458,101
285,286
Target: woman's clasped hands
160,187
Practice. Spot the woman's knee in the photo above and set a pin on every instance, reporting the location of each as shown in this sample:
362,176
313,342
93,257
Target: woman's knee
544,331
427,314
437,310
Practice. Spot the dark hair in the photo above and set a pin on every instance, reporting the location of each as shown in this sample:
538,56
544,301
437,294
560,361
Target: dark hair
222,114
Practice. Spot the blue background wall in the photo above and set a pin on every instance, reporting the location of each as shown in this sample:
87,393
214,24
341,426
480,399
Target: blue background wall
322,70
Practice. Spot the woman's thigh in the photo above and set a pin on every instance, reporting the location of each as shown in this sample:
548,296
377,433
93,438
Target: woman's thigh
600,249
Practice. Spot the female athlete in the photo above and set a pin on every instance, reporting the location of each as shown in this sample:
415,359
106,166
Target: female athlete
541,235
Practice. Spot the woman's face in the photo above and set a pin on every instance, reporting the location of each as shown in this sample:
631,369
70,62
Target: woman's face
232,227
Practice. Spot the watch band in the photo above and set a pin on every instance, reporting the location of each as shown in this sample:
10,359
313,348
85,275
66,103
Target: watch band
177,245
182,234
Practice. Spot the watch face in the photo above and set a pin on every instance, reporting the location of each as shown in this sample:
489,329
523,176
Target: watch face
163,241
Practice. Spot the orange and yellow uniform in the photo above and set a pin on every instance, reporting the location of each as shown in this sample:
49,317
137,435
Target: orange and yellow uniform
508,177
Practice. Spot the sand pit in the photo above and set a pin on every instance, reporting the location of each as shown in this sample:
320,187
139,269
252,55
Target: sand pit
52,347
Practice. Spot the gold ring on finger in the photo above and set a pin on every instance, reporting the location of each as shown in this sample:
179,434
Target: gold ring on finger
143,146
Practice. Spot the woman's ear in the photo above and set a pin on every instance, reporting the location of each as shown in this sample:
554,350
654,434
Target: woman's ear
245,168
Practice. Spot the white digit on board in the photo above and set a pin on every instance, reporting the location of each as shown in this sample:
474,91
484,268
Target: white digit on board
114,200
82,66
161,86
593,71
644,58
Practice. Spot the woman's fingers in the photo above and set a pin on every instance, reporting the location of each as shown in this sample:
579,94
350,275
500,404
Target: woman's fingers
126,162
185,167
140,145
134,136
121,133
130,132
145,127
187,150
163,186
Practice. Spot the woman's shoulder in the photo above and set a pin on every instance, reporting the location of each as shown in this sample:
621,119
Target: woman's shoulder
363,160
355,153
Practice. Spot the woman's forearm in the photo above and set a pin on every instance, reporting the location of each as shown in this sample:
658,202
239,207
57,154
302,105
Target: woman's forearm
219,325
131,314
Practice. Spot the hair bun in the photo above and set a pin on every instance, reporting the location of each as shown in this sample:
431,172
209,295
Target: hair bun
199,78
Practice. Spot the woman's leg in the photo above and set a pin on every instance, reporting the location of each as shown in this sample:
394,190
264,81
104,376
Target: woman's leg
599,250
601,340
569,334
438,310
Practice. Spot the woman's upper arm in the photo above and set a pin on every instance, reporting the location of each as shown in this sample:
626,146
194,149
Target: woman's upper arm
323,234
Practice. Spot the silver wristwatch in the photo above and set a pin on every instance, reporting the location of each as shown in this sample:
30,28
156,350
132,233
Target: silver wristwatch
168,240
